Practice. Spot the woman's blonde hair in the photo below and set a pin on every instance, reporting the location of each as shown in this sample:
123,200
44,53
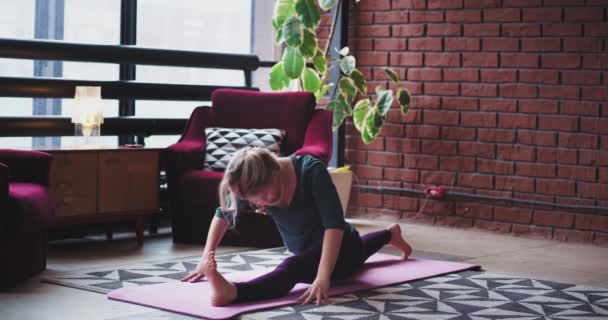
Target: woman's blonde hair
249,170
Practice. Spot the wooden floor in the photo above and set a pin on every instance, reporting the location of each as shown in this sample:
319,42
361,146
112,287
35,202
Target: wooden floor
542,259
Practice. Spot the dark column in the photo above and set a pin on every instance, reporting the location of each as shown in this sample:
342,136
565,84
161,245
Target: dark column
128,36
339,41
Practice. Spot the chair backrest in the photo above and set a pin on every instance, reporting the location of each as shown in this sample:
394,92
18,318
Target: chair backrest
290,111
27,165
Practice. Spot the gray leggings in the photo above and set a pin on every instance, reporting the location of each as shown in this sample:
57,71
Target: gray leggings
303,268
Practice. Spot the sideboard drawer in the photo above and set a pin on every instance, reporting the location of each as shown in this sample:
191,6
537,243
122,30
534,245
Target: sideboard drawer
128,181
74,183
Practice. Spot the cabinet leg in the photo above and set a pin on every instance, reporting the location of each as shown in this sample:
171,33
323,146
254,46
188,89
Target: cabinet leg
153,223
139,230
109,232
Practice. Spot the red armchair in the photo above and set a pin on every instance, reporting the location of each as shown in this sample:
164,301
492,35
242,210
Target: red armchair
193,195
26,208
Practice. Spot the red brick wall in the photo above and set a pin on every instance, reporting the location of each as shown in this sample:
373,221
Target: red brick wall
511,99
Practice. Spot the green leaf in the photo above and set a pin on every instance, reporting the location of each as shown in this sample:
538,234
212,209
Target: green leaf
278,80
359,80
367,139
310,80
320,62
327,4
366,136
379,90
373,124
293,63
310,44
278,39
282,10
341,110
322,91
392,74
342,103
360,111
344,51
385,99
292,32
347,89
347,64
308,11
331,105
404,97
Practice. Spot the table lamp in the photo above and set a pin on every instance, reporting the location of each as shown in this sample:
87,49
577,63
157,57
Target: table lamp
88,115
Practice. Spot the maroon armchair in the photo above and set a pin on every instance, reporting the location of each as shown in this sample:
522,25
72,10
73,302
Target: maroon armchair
26,208
193,195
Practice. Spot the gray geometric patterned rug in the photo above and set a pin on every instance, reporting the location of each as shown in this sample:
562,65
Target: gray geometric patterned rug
104,280
473,295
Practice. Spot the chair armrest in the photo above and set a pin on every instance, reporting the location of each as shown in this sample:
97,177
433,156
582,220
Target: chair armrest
201,118
184,155
318,139
189,152
27,166
3,195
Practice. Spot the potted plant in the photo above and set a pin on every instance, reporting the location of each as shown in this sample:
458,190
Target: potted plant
295,23
342,178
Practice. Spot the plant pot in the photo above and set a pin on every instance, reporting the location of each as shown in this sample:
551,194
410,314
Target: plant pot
343,180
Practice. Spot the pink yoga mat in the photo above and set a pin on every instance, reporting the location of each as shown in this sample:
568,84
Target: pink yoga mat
193,298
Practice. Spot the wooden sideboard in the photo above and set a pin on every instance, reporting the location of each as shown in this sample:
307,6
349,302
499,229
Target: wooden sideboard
104,184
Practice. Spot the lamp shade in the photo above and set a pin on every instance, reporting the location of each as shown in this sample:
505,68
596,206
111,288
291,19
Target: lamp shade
87,108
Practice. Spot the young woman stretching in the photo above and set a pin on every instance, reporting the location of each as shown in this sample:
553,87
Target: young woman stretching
299,195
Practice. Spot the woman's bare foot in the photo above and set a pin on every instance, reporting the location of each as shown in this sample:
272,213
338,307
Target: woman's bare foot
222,291
398,242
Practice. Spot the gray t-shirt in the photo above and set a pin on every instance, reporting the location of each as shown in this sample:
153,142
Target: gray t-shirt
315,207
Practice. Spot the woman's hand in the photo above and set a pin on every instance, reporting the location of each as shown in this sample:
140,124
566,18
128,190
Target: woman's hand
198,272
318,291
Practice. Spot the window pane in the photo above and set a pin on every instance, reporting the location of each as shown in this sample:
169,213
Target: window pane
263,41
58,69
92,21
161,141
166,109
95,22
260,80
17,19
81,21
212,26
17,22
16,107
199,76
24,107
16,68
209,26
90,71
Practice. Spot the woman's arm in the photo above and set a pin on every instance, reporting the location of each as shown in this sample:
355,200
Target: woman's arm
214,236
332,240
216,233
318,290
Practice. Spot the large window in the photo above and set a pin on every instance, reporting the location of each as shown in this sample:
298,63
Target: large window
229,26
83,21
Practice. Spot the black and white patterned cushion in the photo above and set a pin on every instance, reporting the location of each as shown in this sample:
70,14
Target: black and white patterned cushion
222,143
